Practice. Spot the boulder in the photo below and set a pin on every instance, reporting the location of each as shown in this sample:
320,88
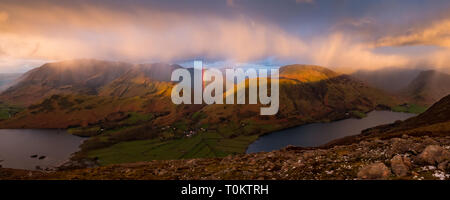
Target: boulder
376,170
399,146
399,166
444,166
433,154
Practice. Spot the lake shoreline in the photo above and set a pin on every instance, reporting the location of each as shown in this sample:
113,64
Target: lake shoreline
37,149
248,150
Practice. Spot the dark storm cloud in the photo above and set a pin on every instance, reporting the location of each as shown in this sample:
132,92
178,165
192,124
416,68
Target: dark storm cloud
334,33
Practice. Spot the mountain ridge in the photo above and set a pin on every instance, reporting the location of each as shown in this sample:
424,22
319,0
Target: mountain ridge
428,87
84,76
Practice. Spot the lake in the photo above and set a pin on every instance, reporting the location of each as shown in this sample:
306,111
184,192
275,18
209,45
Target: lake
317,134
18,145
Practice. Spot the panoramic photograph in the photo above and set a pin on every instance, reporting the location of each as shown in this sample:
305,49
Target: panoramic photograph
225,90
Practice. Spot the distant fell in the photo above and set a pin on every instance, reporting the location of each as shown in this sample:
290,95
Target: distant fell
84,77
428,87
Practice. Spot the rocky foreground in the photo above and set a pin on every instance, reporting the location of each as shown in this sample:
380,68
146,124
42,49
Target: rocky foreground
416,158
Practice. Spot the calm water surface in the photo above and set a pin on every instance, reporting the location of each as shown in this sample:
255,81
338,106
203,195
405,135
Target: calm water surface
18,145
321,133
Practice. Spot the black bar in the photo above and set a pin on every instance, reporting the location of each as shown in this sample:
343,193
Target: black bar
276,189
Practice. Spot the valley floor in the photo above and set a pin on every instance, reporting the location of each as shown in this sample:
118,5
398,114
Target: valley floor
407,157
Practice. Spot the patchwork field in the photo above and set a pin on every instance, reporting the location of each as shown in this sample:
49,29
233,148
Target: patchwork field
202,145
412,108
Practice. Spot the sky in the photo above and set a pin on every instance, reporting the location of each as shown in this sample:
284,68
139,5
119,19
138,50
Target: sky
345,35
